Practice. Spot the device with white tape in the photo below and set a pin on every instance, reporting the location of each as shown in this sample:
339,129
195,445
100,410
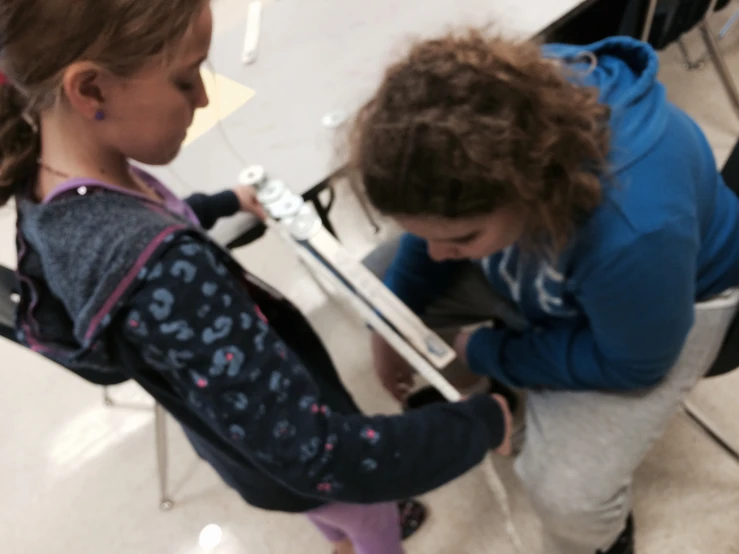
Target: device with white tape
296,222
305,227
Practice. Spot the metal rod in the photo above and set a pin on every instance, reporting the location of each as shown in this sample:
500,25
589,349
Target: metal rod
725,30
719,62
711,8
689,63
107,400
160,437
702,421
729,25
649,20
365,207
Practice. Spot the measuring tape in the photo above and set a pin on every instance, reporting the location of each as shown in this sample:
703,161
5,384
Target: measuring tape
297,223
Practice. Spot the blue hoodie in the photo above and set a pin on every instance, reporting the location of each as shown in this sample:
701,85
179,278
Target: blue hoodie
614,310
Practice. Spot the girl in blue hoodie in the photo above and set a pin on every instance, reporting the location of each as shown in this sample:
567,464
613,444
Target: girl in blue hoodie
558,192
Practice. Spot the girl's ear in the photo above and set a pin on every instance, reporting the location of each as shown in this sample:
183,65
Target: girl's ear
84,86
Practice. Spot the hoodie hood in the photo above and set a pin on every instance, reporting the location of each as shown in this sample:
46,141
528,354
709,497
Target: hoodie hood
624,71
78,258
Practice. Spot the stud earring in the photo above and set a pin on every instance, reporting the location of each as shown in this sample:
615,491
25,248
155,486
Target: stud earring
99,115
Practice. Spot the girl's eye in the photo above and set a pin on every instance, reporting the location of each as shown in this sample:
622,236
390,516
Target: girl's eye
185,86
466,239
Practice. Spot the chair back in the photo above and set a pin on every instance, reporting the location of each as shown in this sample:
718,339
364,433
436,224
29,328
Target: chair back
8,298
671,18
728,357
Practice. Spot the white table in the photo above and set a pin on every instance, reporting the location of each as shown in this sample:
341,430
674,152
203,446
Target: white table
322,56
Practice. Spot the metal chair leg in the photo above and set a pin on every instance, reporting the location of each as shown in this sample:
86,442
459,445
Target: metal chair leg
719,62
729,25
725,30
704,423
107,400
649,20
365,207
690,65
160,430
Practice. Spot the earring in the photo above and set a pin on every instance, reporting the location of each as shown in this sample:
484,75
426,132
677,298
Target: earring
99,115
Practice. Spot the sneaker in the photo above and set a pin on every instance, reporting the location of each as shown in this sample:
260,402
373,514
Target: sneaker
412,516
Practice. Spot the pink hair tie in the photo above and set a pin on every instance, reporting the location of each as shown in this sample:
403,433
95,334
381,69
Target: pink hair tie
3,79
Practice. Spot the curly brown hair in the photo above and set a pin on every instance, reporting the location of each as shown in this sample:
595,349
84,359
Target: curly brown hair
466,124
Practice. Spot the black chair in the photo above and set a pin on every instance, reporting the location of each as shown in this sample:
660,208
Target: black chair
659,22
728,357
8,301
727,361
665,21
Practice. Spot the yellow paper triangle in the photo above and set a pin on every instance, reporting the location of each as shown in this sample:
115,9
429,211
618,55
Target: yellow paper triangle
226,96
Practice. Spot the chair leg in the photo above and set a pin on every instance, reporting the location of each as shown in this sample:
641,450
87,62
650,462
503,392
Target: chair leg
107,400
725,30
704,423
649,20
365,207
160,430
728,26
690,65
719,62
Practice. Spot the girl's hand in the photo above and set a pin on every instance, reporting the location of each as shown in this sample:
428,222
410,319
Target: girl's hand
506,447
248,201
460,345
394,372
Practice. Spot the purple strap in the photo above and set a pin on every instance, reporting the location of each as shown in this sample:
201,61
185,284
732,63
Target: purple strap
171,201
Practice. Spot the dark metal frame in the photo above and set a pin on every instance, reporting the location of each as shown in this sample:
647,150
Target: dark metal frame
712,47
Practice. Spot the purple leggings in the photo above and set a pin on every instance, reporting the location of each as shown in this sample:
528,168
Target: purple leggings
372,529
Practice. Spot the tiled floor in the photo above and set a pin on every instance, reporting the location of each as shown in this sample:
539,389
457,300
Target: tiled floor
80,477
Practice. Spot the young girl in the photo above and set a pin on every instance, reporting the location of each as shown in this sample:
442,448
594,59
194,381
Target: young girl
556,189
119,281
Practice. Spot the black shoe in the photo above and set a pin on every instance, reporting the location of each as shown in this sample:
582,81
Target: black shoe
625,543
412,516
429,395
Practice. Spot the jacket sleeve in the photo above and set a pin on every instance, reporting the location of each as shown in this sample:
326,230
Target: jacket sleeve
639,309
414,277
210,208
197,325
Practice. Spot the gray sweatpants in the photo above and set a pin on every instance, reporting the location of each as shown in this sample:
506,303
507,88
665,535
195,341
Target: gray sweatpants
582,448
